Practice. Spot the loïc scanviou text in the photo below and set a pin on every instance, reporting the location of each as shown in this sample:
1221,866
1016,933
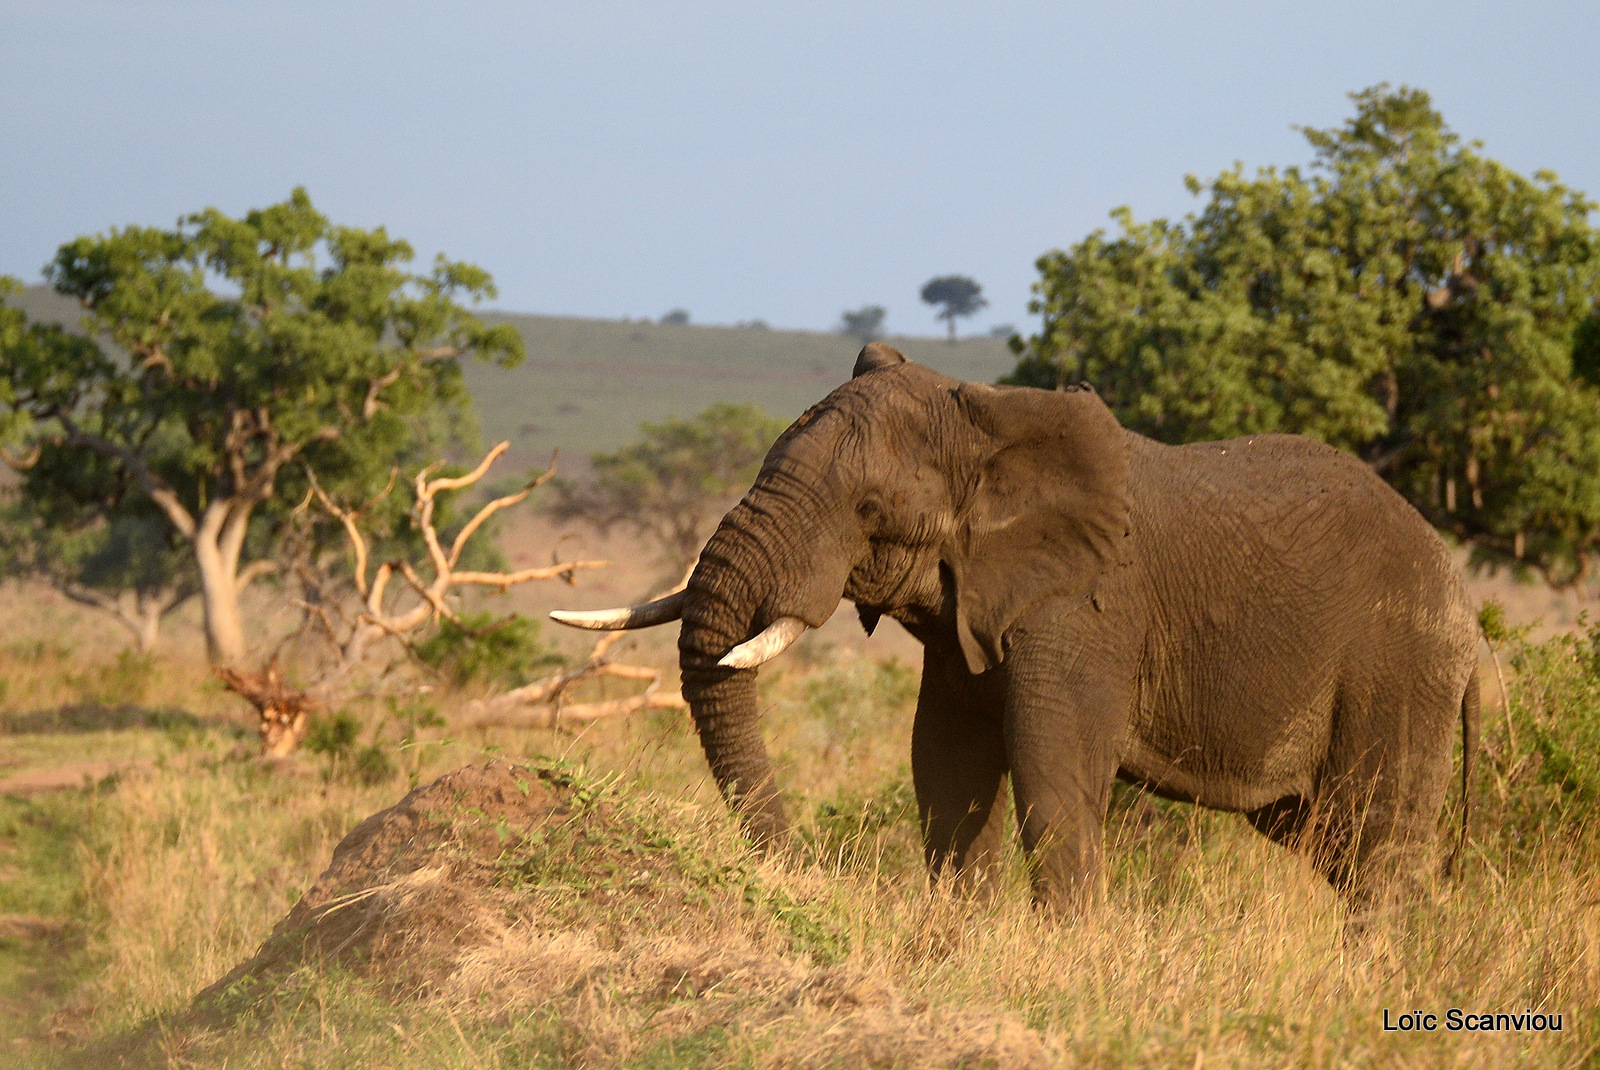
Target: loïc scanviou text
1456,1020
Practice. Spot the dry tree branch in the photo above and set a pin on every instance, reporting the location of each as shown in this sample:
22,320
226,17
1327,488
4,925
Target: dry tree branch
539,704
348,517
23,462
495,506
378,620
371,404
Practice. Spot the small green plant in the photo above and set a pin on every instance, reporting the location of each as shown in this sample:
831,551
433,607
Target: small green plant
336,737
414,714
373,766
852,821
809,933
333,735
479,648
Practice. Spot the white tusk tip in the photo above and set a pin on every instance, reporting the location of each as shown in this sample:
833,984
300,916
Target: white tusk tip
604,621
648,615
773,640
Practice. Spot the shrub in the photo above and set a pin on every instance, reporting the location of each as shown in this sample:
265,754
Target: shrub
1556,701
1543,749
480,649
335,736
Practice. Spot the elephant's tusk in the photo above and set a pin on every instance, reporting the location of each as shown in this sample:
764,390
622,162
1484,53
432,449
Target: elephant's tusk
646,615
773,640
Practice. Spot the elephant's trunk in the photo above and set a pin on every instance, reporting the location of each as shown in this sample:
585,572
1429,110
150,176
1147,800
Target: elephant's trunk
754,571
723,599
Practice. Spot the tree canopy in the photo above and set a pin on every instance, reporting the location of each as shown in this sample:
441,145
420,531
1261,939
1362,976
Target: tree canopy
959,295
671,482
222,357
1405,298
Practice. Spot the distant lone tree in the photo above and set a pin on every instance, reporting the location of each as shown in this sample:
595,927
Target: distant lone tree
865,324
678,476
1405,298
678,317
247,352
959,295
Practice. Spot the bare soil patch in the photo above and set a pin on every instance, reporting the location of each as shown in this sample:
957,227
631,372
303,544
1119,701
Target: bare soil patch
65,776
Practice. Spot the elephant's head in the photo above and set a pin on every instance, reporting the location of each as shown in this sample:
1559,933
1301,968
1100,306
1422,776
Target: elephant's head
950,506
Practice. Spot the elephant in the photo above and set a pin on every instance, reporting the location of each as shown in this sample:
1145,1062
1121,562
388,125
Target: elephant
1259,625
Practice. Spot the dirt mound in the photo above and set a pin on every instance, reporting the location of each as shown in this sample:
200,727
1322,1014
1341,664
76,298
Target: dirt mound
508,885
405,891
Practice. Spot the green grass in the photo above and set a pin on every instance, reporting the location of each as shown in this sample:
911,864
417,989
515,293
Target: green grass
40,879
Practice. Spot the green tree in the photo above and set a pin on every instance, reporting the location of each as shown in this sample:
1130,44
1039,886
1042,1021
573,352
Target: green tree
1405,298
129,568
864,324
675,478
240,350
959,295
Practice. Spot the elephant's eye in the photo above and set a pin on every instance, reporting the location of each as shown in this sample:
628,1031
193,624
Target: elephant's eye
870,513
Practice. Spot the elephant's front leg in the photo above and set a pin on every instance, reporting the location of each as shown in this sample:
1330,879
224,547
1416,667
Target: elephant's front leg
1064,718
958,766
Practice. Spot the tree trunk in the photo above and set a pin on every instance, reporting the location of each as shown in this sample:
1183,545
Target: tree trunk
219,587
140,615
146,623
224,626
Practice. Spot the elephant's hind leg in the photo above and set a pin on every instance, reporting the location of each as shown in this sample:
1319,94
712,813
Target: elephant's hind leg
1374,822
958,766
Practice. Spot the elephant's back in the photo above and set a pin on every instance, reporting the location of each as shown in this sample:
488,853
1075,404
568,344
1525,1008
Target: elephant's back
1283,575
1300,501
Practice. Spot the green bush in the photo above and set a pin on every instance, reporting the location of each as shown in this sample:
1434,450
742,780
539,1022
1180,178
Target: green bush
1555,706
1540,753
335,736
481,649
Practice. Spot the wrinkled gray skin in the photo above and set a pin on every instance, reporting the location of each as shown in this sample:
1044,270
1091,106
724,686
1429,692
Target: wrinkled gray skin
1259,625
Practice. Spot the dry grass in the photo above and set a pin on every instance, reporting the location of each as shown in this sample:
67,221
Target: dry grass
1213,948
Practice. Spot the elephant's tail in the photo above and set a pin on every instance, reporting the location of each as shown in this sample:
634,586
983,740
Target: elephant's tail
1469,747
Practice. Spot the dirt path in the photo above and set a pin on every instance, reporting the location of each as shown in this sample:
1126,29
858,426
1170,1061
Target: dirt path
66,775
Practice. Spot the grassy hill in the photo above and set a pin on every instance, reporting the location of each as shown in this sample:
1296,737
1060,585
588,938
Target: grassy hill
588,384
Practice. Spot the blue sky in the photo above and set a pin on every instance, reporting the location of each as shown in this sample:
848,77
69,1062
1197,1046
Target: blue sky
779,161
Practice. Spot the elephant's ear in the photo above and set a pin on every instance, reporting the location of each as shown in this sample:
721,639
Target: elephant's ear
1045,514
876,355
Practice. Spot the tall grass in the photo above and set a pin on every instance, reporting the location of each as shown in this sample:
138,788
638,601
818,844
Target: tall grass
1213,947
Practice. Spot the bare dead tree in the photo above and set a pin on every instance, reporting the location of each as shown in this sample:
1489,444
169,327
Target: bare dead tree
386,613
